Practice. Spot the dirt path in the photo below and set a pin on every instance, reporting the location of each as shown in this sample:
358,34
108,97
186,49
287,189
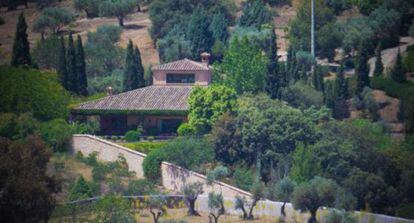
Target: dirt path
390,55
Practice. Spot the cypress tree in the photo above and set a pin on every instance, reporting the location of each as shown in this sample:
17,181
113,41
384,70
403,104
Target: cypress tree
131,80
341,94
61,67
199,35
273,82
341,84
317,79
398,72
255,14
140,68
82,81
72,80
21,47
218,27
379,66
362,70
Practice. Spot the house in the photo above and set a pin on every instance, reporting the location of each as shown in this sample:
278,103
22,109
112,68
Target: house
159,108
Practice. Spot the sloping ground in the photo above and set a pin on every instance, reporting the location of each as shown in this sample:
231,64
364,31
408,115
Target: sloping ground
389,56
136,29
388,112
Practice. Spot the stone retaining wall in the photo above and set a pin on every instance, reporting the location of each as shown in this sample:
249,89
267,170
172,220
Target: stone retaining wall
174,177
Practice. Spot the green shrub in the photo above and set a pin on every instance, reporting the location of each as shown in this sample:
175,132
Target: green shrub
132,136
92,159
56,134
243,178
152,164
185,130
33,91
81,189
406,211
140,187
89,127
99,172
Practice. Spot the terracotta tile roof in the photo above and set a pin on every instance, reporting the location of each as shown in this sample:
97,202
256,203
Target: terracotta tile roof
184,64
167,98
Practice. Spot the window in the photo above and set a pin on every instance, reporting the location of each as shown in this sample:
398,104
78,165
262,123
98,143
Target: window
180,78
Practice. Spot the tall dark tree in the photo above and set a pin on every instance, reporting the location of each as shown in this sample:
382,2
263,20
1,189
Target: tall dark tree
342,84
21,47
199,35
255,14
218,27
61,67
317,79
71,65
82,81
141,71
398,72
362,69
134,72
273,79
379,66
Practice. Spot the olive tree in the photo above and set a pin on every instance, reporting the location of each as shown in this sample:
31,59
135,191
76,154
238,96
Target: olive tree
311,195
245,205
191,192
283,191
53,19
215,204
156,206
117,8
91,7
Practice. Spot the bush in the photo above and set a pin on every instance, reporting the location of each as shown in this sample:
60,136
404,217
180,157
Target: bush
32,91
301,95
243,178
132,136
177,152
152,164
140,187
56,134
80,190
99,172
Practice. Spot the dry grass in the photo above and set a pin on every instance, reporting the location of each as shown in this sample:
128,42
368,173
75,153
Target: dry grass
70,169
136,29
180,214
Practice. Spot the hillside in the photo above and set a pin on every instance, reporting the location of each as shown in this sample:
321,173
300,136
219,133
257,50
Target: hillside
136,29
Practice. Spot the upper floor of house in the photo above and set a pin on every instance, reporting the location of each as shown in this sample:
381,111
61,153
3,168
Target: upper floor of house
183,72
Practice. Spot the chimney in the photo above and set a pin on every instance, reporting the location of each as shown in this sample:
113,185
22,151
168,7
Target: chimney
109,91
205,58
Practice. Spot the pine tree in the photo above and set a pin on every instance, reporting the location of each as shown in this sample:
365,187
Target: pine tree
362,70
140,68
398,72
273,82
200,37
82,81
131,80
72,80
61,67
21,47
379,66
